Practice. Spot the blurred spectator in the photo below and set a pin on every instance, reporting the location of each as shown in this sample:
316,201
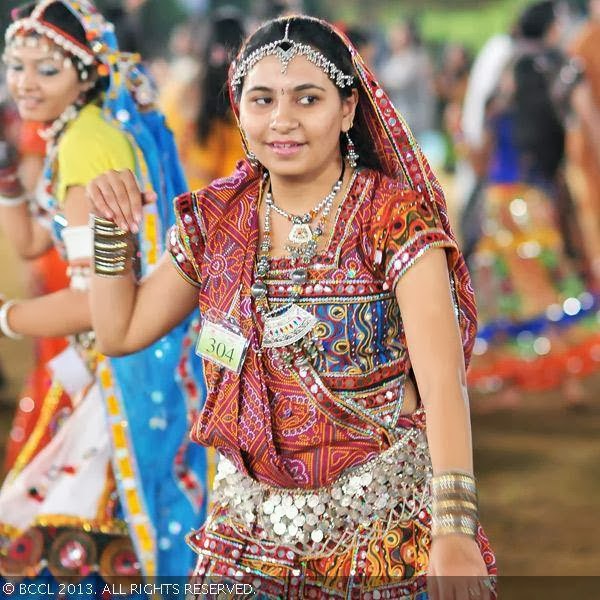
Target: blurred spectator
527,284
271,9
585,144
483,81
451,86
127,19
407,75
364,42
197,108
143,26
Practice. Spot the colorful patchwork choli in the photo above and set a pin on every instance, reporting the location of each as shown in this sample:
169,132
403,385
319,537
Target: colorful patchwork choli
302,425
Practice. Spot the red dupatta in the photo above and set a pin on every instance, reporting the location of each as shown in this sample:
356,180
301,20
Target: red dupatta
236,419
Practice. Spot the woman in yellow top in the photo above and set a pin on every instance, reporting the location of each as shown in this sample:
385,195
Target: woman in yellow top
199,113
84,485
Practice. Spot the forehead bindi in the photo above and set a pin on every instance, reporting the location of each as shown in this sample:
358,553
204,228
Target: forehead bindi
300,72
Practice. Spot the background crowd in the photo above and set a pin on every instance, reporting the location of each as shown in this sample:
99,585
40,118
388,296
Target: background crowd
511,125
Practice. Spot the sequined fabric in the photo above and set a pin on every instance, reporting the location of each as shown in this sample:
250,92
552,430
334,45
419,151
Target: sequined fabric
393,565
302,424
345,406
359,505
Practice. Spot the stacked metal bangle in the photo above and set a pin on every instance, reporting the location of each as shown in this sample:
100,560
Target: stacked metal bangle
112,248
10,202
454,504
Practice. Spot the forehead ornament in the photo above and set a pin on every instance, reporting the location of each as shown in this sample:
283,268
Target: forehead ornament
285,50
36,25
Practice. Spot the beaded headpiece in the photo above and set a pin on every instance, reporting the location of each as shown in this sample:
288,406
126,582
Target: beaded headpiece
85,12
285,50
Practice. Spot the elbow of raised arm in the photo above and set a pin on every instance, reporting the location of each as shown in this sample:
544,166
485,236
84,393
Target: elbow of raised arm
28,252
110,348
115,345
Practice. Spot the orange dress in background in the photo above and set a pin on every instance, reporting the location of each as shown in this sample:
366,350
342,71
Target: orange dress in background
581,147
45,275
203,163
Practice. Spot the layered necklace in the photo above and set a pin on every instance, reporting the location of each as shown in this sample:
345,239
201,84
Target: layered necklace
290,323
52,135
303,239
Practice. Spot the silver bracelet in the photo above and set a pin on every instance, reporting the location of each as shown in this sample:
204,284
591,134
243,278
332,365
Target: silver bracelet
454,504
112,248
9,202
4,326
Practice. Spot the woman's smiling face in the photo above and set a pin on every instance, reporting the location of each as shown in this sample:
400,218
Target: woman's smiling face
42,80
293,120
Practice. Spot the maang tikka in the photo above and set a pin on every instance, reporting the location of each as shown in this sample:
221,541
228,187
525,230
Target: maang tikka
285,50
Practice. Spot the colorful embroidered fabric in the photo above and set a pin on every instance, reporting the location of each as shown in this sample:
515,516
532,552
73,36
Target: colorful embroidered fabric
301,426
347,405
539,323
394,566
539,319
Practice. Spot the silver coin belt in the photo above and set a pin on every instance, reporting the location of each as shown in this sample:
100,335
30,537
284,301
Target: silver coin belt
364,502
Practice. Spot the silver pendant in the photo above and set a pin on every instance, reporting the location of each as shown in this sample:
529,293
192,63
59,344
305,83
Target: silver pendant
300,234
285,328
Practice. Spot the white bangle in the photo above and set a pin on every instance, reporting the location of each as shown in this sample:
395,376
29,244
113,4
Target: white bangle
10,202
4,326
79,242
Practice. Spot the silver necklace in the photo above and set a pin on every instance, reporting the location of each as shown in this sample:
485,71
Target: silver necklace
50,133
287,330
303,239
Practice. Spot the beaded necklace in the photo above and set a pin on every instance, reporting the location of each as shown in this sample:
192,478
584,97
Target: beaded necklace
286,328
303,240
52,136
303,246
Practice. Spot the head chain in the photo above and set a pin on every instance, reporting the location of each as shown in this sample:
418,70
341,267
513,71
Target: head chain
285,50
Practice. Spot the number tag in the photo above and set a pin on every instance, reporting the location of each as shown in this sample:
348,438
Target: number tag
221,342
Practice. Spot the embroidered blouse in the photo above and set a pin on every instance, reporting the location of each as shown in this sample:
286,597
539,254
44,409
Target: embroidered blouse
344,406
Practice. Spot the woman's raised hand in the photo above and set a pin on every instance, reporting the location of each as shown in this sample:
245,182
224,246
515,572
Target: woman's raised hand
116,196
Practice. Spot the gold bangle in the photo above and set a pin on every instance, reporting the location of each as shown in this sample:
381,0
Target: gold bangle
440,531
110,245
441,504
112,248
459,478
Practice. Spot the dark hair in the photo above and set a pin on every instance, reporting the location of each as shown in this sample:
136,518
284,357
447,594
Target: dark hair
58,15
311,31
224,39
539,131
358,36
537,19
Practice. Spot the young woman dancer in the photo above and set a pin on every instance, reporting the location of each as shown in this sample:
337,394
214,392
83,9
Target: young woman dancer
90,478
337,320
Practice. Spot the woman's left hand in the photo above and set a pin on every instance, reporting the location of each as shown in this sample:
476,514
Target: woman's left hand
457,570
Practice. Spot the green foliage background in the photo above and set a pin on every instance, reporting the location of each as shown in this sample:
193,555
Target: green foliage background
470,22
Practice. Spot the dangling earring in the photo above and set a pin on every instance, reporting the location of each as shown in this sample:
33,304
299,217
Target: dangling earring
249,154
252,158
351,155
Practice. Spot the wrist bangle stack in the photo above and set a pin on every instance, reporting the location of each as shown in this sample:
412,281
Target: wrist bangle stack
16,201
454,504
112,248
4,326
